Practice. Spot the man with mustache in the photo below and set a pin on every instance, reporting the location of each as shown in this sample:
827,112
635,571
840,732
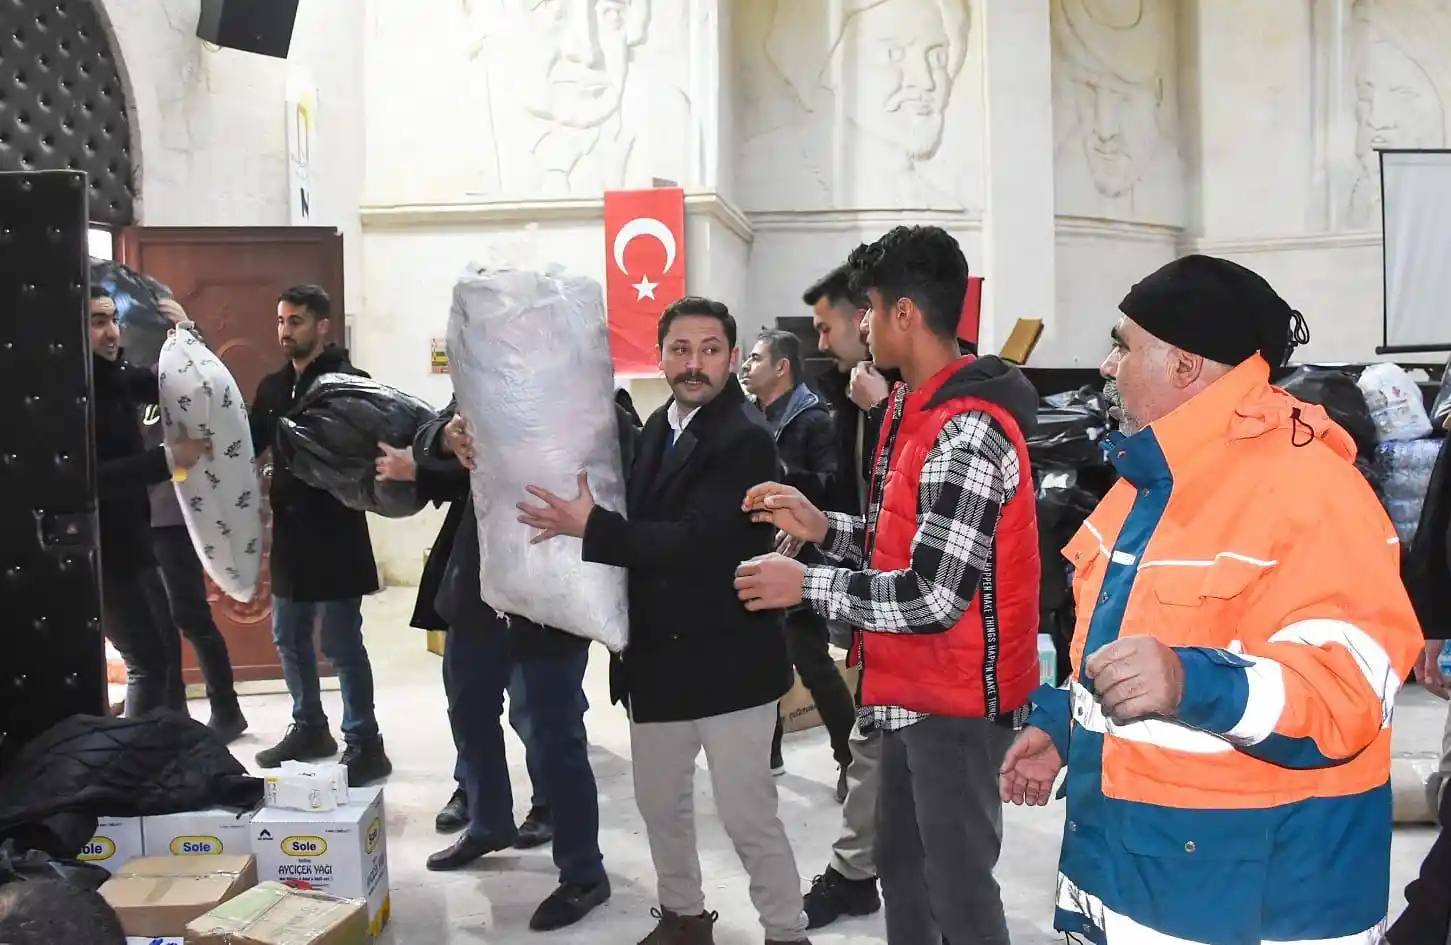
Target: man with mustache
939,578
700,671
1242,632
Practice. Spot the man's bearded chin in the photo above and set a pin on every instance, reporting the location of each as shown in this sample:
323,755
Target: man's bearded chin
1127,423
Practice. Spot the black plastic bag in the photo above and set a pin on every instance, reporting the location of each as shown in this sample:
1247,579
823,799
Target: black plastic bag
32,865
330,440
143,327
1343,400
1070,428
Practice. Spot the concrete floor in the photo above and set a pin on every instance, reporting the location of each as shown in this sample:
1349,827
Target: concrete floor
491,903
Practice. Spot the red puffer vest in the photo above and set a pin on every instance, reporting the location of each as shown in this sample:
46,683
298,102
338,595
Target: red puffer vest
987,663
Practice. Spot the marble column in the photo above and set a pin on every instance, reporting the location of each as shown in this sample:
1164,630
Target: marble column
1018,226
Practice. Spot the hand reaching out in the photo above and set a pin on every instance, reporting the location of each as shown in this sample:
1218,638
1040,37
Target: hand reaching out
1030,769
787,509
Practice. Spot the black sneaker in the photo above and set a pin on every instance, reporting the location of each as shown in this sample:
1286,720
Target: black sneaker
366,762
536,830
455,814
301,743
568,904
832,896
228,722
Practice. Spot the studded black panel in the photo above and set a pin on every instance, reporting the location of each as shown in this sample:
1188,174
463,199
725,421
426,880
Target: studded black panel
52,658
62,103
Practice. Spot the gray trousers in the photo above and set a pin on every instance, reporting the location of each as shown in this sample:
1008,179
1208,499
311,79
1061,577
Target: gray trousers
851,855
1436,783
940,830
737,754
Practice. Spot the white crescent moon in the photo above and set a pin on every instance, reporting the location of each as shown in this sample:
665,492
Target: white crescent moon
644,226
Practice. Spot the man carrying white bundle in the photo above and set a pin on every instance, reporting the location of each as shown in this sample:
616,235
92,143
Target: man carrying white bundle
700,671
484,648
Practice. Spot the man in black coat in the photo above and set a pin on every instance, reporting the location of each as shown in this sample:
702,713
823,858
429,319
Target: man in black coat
133,601
485,648
449,482
321,564
806,442
699,671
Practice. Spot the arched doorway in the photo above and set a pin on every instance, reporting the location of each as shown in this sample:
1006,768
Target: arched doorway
64,102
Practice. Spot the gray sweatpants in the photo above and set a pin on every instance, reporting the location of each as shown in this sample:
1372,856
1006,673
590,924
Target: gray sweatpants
940,830
851,855
737,753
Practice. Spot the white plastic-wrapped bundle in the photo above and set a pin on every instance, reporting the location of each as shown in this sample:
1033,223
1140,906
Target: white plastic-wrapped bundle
530,357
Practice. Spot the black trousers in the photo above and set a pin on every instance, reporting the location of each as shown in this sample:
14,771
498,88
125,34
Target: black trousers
135,620
186,606
806,641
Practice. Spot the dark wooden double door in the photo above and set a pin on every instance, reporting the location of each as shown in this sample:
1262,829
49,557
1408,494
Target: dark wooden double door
228,280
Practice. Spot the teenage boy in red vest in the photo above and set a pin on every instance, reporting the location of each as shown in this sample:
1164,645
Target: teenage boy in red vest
941,575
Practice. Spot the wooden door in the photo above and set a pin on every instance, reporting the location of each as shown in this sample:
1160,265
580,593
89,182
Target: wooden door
228,280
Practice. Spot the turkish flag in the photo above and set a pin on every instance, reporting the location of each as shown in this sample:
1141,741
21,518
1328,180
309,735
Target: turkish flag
644,271
971,322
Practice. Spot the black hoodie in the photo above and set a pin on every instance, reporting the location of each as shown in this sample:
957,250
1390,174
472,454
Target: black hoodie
125,467
321,550
998,382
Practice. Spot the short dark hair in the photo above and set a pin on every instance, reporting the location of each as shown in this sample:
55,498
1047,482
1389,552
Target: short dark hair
783,345
44,911
99,291
836,288
695,305
921,263
314,298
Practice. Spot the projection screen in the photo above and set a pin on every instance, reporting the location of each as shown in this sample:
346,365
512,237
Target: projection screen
1416,213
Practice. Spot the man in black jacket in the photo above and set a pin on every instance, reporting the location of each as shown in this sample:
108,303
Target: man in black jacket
449,482
699,671
133,601
484,649
806,443
321,564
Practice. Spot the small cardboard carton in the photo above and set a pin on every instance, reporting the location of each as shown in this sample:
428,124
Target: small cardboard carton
156,897
342,852
198,833
117,842
798,707
274,914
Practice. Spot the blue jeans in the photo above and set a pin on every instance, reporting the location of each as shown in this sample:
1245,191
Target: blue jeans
518,721
480,669
293,625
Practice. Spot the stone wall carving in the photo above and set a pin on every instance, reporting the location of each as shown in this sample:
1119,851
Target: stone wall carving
559,102
1400,86
857,104
1116,115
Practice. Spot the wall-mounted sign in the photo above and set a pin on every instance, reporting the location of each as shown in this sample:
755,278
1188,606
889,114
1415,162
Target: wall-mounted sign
438,356
301,124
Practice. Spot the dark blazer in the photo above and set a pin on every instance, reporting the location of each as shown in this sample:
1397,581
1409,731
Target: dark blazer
842,493
321,549
694,650
125,468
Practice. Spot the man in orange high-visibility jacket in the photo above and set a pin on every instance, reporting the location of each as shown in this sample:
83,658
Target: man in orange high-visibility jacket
1242,631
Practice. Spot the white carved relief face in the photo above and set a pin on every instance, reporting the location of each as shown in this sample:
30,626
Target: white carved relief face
567,60
1120,126
897,81
1396,105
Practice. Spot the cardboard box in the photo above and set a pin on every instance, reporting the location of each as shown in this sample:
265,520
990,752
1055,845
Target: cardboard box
343,852
158,896
274,914
798,708
436,641
198,833
118,841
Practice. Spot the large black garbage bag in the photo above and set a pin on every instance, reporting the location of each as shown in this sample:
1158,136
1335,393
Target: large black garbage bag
86,767
330,441
1070,427
32,865
143,327
1343,400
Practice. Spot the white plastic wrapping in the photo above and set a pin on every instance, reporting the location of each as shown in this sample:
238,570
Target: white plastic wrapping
1395,402
530,358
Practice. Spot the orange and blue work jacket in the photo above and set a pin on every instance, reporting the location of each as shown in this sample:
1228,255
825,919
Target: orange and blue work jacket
1242,536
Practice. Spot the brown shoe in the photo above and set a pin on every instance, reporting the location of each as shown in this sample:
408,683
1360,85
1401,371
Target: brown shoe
673,929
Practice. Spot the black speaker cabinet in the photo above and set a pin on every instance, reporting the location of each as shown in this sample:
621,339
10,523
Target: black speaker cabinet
256,26
52,658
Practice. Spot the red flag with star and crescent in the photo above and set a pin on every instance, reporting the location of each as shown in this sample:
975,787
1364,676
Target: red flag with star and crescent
644,271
